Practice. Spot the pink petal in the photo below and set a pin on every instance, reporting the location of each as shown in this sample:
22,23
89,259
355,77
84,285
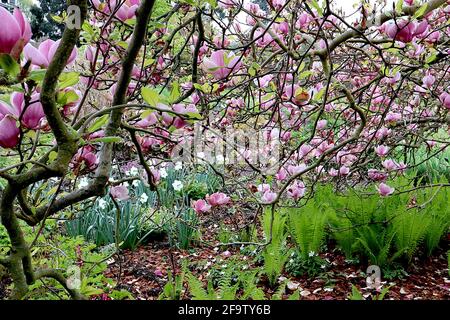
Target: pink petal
10,32
9,133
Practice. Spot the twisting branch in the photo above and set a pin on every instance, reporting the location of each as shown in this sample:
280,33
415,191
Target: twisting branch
58,276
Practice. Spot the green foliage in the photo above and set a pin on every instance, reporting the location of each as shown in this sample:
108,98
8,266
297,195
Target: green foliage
438,215
384,230
186,228
312,266
42,23
357,295
74,257
229,282
173,288
410,230
98,224
224,235
139,220
275,253
430,165
307,228
275,257
226,290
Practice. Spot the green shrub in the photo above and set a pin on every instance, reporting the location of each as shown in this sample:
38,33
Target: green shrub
307,228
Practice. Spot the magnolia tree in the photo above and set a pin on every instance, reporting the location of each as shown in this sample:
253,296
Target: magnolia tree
285,97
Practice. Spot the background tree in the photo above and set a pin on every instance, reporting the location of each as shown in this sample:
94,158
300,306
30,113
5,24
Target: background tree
42,23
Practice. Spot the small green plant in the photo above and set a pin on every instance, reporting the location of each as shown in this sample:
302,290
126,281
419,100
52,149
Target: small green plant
227,282
172,290
226,289
275,257
186,228
224,235
313,265
357,295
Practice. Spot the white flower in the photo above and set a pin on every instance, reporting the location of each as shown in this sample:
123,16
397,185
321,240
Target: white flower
126,184
143,198
136,183
102,204
201,155
112,180
84,182
311,254
134,171
178,166
220,159
177,185
163,173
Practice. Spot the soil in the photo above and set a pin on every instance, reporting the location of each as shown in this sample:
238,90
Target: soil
144,271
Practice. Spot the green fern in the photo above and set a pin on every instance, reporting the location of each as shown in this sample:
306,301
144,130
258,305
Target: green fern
275,226
307,227
438,212
275,257
248,282
410,230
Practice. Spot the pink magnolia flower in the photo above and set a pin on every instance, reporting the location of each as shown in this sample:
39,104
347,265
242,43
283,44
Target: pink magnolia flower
293,170
87,156
217,199
382,133
305,150
296,190
220,64
226,4
403,30
147,142
376,175
384,190
393,117
263,187
264,81
33,115
268,196
343,171
120,192
321,124
43,55
389,164
201,206
333,172
381,151
428,81
281,174
445,99
15,32
9,133
156,175
433,37
303,21
127,10
278,4
148,121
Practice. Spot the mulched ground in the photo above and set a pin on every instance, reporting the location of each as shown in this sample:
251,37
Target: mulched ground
144,271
